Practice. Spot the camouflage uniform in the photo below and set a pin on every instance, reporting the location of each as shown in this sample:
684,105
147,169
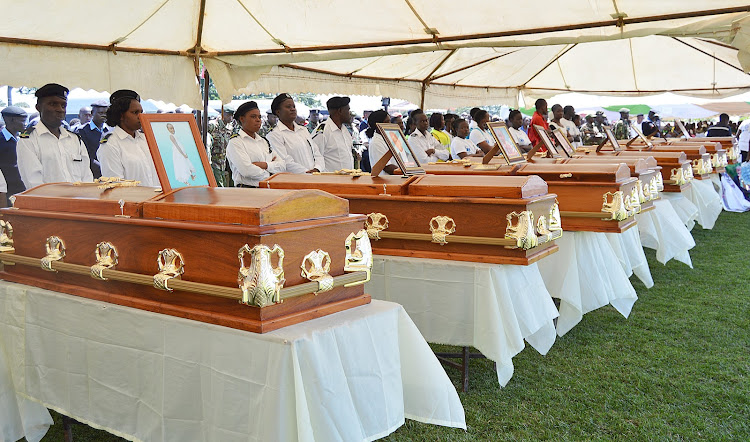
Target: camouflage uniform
265,129
220,133
622,130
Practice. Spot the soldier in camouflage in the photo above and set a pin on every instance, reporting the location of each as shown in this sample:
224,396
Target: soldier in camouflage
221,129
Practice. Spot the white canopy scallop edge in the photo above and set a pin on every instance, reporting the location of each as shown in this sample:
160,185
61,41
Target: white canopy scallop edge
431,52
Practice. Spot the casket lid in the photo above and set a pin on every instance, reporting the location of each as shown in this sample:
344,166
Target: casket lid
578,172
477,186
700,148
678,157
340,184
91,198
635,163
253,207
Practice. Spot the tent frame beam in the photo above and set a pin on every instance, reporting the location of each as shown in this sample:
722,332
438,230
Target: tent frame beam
709,55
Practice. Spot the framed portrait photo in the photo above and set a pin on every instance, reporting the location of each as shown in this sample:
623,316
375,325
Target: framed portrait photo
547,141
179,155
639,134
683,129
564,143
610,137
399,150
505,143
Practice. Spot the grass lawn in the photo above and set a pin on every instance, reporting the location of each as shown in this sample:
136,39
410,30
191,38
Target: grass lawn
677,369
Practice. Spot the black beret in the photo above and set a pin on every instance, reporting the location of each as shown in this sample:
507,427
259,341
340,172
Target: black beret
124,93
244,108
13,111
276,103
337,102
52,90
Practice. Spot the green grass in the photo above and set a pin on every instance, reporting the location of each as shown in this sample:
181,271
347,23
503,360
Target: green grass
677,369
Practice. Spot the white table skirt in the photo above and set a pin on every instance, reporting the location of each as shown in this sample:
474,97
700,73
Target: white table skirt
703,195
662,230
354,375
585,275
683,207
629,251
488,306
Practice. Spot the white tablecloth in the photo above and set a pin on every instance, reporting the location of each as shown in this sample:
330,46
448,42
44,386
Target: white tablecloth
683,207
704,196
490,307
662,230
629,251
354,375
586,274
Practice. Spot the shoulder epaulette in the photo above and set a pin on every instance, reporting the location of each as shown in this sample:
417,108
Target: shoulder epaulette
27,132
105,138
234,136
74,133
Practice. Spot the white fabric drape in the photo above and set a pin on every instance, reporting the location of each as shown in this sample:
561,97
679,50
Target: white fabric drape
493,308
683,207
353,375
708,202
585,275
662,229
629,251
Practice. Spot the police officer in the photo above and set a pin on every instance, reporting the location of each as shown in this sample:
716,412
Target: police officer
333,138
15,121
49,152
291,142
92,132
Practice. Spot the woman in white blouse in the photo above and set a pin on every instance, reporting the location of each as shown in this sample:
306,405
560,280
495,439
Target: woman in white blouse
378,146
248,153
480,135
461,146
124,152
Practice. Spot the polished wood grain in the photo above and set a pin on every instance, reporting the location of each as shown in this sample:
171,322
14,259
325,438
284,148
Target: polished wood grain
479,186
341,184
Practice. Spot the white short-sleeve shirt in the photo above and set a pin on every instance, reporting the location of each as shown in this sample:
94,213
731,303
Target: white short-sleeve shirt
335,143
377,149
459,145
127,157
296,148
420,143
45,158
478,135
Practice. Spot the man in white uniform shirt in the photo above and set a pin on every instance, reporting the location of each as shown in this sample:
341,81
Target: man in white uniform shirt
744,139
515,118
291,142
48,152
333,139
247,152
426,147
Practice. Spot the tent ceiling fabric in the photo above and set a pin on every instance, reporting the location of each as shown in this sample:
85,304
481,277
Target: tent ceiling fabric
153,45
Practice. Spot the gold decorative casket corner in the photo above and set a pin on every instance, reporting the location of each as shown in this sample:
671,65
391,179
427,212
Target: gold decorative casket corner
659,182
554,222
106,258
315,267
701,167
6,237
689,174
55,248
375,223
523,230
261,282
645,192
441,227
633,203
171,266
653,186
678,176
12,200
615,206
358,256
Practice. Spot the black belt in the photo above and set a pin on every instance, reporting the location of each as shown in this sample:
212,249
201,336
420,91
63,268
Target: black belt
246,185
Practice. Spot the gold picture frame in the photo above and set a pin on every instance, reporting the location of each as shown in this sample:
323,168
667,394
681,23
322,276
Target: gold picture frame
504,143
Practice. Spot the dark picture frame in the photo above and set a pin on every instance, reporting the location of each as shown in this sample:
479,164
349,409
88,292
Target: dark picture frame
505,143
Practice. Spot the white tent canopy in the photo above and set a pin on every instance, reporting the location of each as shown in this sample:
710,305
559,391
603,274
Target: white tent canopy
154,46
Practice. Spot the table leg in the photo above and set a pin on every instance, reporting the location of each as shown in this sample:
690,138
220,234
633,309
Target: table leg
68,428
465,357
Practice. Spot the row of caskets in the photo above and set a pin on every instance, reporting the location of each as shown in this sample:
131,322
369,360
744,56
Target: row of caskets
298,236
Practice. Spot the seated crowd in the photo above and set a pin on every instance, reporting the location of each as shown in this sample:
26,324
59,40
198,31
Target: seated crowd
246,149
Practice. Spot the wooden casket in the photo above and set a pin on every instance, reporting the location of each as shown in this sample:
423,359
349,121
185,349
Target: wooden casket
246,259
723,150
647,171
705,157
501,220
595,198
676,170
